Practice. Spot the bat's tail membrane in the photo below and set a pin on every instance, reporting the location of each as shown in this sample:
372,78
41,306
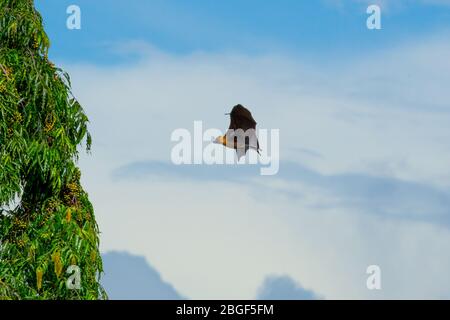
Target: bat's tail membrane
240,152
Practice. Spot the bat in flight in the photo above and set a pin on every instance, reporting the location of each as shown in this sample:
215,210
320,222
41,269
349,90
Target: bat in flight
241,134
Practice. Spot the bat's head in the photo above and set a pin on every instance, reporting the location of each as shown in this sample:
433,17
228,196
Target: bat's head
221,140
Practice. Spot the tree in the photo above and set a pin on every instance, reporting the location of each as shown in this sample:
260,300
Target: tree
47,222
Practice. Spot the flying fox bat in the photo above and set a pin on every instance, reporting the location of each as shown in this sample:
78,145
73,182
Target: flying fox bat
241,134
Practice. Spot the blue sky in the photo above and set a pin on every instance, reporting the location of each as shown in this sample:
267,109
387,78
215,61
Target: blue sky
308,28
363,118
132,277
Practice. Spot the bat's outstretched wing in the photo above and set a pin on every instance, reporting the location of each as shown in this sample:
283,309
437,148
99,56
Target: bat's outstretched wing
241,118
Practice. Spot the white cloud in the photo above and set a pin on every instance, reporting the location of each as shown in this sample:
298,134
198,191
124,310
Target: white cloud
380,115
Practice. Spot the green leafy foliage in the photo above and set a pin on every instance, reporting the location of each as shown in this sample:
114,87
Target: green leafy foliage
46,220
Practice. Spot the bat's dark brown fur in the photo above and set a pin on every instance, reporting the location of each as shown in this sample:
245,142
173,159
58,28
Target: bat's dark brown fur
240,118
